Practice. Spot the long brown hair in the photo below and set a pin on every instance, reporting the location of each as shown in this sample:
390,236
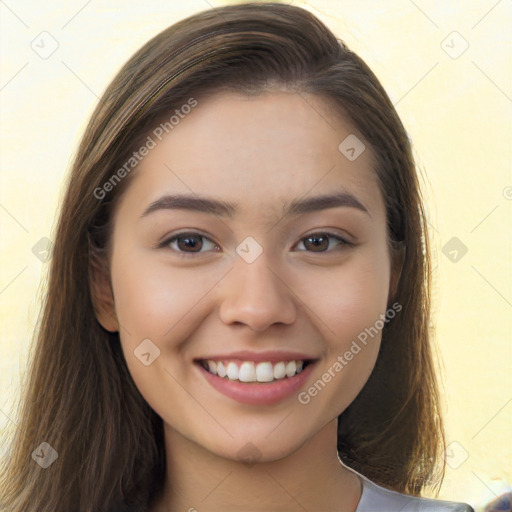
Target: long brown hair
79,396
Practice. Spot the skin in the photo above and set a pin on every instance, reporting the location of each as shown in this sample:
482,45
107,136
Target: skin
261,152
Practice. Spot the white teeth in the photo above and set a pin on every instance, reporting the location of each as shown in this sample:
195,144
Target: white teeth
264,372
212,366
221,371
279,370
232,371
291,369
248,371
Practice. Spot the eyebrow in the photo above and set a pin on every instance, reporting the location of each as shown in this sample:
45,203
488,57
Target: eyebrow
225,209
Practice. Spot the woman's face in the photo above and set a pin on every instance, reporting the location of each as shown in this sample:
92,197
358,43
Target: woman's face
266,277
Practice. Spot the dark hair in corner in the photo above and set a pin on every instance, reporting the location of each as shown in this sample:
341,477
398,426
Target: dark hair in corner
109,441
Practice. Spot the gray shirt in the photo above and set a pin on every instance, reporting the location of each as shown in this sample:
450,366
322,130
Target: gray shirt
379,499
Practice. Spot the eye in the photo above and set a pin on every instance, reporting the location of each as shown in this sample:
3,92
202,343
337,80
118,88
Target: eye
320,242
188,243
192,243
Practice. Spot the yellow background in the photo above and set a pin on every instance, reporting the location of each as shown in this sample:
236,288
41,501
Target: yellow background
456,108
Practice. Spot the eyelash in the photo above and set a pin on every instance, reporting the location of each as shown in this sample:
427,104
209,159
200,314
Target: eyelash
165,244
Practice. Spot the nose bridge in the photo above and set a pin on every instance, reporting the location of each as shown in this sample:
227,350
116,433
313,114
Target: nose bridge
255,294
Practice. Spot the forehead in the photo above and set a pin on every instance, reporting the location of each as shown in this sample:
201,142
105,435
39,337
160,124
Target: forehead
261,152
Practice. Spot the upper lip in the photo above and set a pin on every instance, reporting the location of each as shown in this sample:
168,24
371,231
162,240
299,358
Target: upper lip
271,356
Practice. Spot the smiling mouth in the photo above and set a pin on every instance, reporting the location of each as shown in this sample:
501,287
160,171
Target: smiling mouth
251,371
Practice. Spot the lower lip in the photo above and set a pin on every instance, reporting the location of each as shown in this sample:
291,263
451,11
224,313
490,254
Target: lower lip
258,393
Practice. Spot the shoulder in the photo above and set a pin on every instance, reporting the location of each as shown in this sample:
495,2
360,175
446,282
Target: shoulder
376,498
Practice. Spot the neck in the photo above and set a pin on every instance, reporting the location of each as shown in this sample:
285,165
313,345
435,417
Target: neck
311,478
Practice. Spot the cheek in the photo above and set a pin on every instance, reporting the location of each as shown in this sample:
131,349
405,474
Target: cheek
348,298
349,303
154,300
162,304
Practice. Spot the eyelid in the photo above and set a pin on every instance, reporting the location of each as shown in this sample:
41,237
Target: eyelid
332,232
343,241
329,234
164,244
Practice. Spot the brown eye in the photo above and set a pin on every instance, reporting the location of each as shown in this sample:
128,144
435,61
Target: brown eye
192,242
317,243
320,242
189,243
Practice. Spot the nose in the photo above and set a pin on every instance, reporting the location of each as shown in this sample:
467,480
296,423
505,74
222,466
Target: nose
256,295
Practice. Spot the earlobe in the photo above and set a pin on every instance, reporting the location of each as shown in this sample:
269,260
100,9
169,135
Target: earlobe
101,293
398,258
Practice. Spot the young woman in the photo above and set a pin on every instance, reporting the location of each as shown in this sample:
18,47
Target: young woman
238,304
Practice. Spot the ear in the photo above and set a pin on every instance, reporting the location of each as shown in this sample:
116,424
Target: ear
101,292
398,252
